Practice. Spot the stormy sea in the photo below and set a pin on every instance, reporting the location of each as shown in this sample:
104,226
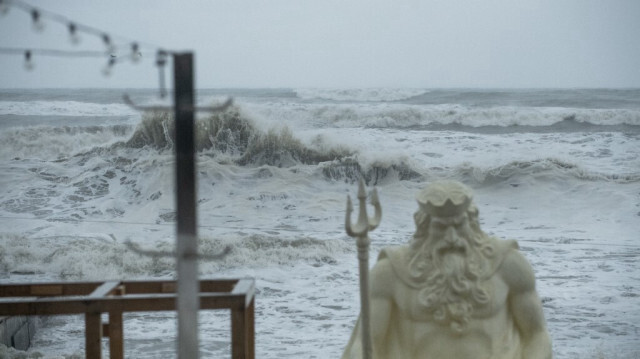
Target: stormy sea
83,174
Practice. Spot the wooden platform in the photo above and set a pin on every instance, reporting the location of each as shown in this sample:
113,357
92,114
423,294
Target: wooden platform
116,297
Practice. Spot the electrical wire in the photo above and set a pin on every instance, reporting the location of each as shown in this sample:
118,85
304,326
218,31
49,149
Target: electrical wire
57,52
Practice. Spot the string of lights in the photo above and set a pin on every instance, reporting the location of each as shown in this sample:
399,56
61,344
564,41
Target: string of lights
38,17
113,44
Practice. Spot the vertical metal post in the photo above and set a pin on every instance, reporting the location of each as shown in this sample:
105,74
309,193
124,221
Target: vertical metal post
187,246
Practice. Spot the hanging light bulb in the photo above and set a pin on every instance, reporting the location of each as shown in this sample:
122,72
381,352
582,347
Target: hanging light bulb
73,33
161,61
161,58
108,69
135,52
28,61
111,48
37,23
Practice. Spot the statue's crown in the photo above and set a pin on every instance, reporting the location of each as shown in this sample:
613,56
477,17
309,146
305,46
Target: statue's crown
445,198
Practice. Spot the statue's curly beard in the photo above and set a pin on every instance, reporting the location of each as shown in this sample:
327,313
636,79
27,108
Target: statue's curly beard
451,276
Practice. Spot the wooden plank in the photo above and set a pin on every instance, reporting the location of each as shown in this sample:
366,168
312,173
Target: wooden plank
85,288
104,289
207,286
116,343
238,296
141,287
128,303
46,290
251,331
246,288
169,287
243,332
93,335
239,334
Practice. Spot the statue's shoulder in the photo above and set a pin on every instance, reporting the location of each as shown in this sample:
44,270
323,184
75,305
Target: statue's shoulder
389,260
517,271
505,246
501,249
393,253
392,261
395,256
382,277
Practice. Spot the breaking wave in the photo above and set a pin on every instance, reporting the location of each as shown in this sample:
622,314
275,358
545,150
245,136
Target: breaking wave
385,172
236,138
549,169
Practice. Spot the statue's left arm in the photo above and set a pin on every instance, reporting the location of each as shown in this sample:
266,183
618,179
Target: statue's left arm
526,307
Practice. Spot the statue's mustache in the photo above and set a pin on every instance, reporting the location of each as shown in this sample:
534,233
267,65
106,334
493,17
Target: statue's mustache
450,244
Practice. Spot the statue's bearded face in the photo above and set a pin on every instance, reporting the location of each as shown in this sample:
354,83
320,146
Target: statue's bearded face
449,261
450,235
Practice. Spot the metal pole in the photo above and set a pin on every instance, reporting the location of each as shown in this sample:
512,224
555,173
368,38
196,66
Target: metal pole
187,246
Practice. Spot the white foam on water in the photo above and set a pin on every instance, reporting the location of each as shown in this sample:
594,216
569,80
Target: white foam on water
358,94
569,198
397,115
64,108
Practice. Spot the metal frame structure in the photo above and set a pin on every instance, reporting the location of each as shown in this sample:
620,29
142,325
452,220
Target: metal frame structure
116,297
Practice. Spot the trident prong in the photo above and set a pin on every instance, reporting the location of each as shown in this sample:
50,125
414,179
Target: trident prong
364,224
361,231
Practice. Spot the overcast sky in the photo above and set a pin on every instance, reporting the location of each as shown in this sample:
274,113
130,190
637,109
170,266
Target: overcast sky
343,43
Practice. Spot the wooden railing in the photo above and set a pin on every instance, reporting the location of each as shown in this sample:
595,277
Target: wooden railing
116,297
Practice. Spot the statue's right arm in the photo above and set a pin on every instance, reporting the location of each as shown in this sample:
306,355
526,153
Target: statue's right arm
382,280
526,307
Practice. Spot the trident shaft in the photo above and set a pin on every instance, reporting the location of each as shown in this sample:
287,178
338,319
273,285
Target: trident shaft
360,231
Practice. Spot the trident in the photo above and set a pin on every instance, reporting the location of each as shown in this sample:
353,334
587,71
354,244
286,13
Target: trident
360,231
